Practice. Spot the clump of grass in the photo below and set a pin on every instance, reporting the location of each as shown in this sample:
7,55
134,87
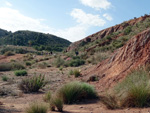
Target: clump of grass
32,84
138,96
42,65
71,72
58,103
28,63
76,62
20,73
110,101
76,91
135,89
47,96
59,62
37,108
9,53
77,73
5,78
11,66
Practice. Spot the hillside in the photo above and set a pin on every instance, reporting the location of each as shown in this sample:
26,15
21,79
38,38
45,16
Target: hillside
4,33
132,55
111,38
39,41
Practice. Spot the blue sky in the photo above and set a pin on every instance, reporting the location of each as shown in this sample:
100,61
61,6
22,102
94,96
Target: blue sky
70,19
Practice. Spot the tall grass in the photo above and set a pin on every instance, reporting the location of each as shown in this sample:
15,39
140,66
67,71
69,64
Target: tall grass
76,91
37,108
134,90
32,84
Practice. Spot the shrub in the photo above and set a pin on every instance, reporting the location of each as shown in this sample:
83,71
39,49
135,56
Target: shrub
32,84
20,73
42,65
5,67
17,66
37,108
58,103
28,63
9,53
59,62
76,62
47,96
71,72
76,73
127,30
11,66
76,91
136,89
111,102
5,78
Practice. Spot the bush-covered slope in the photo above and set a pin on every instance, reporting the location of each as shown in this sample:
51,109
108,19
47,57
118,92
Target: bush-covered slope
4,33
112,38
39,41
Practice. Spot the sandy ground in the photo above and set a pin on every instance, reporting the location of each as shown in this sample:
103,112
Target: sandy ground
56,78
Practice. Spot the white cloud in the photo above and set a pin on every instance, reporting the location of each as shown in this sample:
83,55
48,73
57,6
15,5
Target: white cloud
97,4
108,17
8,3
87,19
73,33
13,20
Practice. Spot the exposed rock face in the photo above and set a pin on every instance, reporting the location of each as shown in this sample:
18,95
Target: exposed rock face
108,31
133,54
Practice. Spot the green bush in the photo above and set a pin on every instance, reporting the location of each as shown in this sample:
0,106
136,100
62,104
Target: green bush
76,91
127,30
5,78
17,66
11,66
37,108
56,102
9,53
47,96
5,67
32,84
20,73
28,63
76,62
77,73
135,89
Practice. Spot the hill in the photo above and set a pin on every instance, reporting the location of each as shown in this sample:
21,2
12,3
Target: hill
4,33
111,38
39,41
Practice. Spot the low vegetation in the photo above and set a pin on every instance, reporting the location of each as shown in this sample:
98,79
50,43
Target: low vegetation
11,66
47,96
20,72
133,91
76,73
9,53
76,91
56,102
32,84
37,108
5,78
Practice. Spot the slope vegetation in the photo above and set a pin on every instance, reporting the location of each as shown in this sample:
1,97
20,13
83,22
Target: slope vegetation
39,41
132,55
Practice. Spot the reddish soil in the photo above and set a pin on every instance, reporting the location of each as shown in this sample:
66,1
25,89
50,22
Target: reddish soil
4,59
101,34
132,55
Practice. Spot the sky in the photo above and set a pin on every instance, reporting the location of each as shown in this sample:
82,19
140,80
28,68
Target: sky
69,19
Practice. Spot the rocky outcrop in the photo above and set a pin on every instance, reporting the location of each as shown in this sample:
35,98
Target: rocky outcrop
135,53
101,34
